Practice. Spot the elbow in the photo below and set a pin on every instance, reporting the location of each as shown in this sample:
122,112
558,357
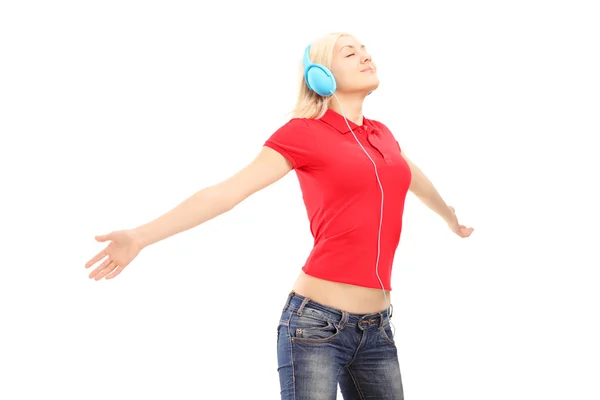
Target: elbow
218,198
229,200
227,195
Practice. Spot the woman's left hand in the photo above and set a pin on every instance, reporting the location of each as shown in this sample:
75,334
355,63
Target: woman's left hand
460,230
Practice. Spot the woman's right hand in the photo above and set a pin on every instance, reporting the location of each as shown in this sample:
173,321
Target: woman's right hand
124,246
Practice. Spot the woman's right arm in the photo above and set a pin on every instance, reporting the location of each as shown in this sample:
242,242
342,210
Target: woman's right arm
268,167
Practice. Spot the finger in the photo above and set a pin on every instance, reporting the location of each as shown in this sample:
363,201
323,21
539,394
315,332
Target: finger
96,258
111,267
103,238
116,272
105,264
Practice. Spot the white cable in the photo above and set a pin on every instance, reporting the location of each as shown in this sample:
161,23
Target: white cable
380,215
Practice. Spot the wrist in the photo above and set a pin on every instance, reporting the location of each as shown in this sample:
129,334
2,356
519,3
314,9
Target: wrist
449,215
139,238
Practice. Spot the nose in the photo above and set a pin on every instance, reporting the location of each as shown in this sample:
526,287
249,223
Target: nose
366,58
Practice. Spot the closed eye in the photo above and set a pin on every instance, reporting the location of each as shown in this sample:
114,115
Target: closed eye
349,55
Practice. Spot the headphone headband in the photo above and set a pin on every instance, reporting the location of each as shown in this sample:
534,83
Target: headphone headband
306,60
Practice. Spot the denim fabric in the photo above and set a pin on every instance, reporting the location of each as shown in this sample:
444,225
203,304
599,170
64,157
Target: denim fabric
319,347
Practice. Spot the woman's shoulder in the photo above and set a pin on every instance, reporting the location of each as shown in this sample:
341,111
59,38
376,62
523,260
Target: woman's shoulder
301,121
296,123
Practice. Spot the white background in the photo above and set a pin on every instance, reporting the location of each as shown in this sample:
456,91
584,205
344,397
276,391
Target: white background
114,112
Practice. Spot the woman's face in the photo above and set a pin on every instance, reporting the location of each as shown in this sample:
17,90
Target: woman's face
352,66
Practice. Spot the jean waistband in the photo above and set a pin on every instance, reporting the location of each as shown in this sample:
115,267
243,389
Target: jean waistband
299,304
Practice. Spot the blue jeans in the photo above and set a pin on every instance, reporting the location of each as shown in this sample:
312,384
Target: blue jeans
319,347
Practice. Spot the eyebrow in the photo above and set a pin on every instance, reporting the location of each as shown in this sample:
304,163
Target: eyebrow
349,45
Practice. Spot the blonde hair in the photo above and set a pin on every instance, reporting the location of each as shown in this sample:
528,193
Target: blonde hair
309,104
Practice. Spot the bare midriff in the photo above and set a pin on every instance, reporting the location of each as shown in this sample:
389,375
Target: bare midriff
351,298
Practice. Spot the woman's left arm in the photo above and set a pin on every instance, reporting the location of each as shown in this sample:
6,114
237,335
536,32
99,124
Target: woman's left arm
422,187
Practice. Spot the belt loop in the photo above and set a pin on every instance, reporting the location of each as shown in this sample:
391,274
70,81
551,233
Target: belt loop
359,324
391,312
287,302
342,322
380,319
306,300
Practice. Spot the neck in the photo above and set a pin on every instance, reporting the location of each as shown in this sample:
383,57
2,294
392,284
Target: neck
352,106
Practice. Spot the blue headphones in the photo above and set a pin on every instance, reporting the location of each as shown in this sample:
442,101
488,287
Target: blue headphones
318,77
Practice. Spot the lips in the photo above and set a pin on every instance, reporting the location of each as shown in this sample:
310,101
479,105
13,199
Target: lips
368,70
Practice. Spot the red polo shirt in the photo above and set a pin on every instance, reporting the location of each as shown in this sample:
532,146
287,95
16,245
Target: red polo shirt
342,195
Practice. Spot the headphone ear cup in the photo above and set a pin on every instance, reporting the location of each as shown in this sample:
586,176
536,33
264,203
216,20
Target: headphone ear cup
321,80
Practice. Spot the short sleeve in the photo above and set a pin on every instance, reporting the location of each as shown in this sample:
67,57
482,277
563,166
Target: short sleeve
295,141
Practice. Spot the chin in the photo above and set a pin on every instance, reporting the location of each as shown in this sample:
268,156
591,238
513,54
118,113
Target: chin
372,83
372,87
361,87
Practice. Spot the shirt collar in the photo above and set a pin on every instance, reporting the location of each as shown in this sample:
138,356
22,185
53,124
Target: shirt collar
338,122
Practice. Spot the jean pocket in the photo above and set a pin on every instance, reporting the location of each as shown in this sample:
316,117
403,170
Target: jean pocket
312,328
386,332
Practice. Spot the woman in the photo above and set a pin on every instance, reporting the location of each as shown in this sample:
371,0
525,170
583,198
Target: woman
335,324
